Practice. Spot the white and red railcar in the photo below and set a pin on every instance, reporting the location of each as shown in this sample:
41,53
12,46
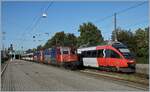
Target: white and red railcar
112,57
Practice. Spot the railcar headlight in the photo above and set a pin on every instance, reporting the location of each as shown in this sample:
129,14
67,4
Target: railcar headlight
131,61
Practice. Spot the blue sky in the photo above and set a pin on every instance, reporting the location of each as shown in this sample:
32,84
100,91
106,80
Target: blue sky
17,16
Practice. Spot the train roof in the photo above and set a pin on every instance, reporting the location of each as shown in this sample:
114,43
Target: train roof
25,54
79,50
115,44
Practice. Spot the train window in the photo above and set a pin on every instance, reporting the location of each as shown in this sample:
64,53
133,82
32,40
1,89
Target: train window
72,51
83,54
88,54
58,51
100,53
65,52
112,54
93,53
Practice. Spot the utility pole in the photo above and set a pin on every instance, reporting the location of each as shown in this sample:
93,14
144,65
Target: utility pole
115,26
3,38
22,51
56,41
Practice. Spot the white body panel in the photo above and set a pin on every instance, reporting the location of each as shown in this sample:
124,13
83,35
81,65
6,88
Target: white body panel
92,62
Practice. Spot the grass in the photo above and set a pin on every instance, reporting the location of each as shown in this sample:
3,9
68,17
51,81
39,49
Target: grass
140,78
134,77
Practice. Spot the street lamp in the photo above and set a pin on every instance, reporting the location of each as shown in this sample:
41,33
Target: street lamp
44,15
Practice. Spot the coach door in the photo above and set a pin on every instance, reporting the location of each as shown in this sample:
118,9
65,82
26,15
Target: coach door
65,52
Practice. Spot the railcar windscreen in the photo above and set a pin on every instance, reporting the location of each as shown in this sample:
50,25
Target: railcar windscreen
124,50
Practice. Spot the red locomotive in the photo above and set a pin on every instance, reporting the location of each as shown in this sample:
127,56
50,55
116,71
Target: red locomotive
60,56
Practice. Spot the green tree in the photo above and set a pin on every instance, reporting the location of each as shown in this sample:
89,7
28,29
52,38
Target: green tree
89,34
137,42
39,47
70,40
126,37
61,39
141,36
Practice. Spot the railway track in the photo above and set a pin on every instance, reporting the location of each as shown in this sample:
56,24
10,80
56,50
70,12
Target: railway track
100,74
4,68
104,75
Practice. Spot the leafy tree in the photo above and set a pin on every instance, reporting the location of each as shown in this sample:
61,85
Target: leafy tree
126,37
70,40
141,36
136,42
89,34
39,47
61,39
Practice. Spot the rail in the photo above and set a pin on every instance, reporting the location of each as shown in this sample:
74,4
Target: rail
129,83
3,70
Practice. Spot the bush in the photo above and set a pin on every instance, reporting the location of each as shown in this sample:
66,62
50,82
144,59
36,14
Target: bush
142,60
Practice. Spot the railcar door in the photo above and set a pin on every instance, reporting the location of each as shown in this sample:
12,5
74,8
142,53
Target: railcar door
113,58
101,57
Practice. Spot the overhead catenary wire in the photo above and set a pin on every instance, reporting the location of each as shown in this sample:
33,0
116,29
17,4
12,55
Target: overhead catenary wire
39,17
107,17
132,7
35,21
121,11
44,11
50,4
137,23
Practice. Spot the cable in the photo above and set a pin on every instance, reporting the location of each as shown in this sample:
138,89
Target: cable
35,21
121,11
105,18
50,4
137,23
124,10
